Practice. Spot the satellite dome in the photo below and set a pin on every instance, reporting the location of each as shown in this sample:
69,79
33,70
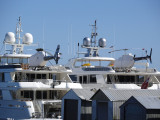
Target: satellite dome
10,37
87,42
27,38
102,42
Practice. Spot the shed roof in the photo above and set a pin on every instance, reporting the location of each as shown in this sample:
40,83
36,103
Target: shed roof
84,94
125,94
149,102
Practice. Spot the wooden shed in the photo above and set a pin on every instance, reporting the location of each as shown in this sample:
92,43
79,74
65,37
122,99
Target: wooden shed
141,108
76,105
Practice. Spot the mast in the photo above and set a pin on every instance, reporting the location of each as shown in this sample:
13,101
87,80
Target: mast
18,30
91,43
94,34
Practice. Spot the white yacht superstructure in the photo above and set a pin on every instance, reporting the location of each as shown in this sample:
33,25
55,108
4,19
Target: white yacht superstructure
117,73
31,90
91,68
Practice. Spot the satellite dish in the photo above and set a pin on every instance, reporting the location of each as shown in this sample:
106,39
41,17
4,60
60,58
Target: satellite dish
87,42
102,42
27,38
9,38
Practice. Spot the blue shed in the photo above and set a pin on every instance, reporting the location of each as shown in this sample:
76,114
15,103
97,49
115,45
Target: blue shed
141,108
76,105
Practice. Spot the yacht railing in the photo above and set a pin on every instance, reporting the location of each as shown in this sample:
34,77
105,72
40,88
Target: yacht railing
58,68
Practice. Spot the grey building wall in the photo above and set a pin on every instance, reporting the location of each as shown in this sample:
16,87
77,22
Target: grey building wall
86,110
116,109
153,116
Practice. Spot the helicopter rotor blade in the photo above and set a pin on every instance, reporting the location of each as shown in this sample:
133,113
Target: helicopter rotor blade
150,58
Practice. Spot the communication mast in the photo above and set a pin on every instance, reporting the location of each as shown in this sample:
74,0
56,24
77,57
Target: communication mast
91,43
15,41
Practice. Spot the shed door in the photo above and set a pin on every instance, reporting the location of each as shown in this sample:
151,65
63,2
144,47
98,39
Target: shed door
102,111
134,112
70,109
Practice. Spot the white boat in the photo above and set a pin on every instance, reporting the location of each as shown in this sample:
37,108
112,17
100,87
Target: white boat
117,73
91,69
28,88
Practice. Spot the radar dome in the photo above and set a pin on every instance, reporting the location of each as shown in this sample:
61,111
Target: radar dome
87,42
27,38
10,37
102,42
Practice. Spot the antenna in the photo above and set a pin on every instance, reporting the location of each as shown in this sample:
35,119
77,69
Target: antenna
78,49
71,40
18,29
94,33
43,36
119,50
114,40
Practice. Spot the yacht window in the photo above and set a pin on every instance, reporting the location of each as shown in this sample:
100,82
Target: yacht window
10,60
25,60
51,94
22,93
1,97
80,79
4,60
54,76
1,77
44,94
32,76
73,77
38,94
27,94
28,76
43,76
21,60
38,76
50,76
140,79
41,94
83,79
15,60
18,76
126,79
93,79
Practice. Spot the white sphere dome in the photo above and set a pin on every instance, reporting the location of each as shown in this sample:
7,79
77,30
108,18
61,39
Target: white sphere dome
27,38
10,37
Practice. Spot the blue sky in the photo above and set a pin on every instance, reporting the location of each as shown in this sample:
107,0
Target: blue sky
124,23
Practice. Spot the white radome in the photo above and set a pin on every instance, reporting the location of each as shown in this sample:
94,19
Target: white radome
27,38
10,37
